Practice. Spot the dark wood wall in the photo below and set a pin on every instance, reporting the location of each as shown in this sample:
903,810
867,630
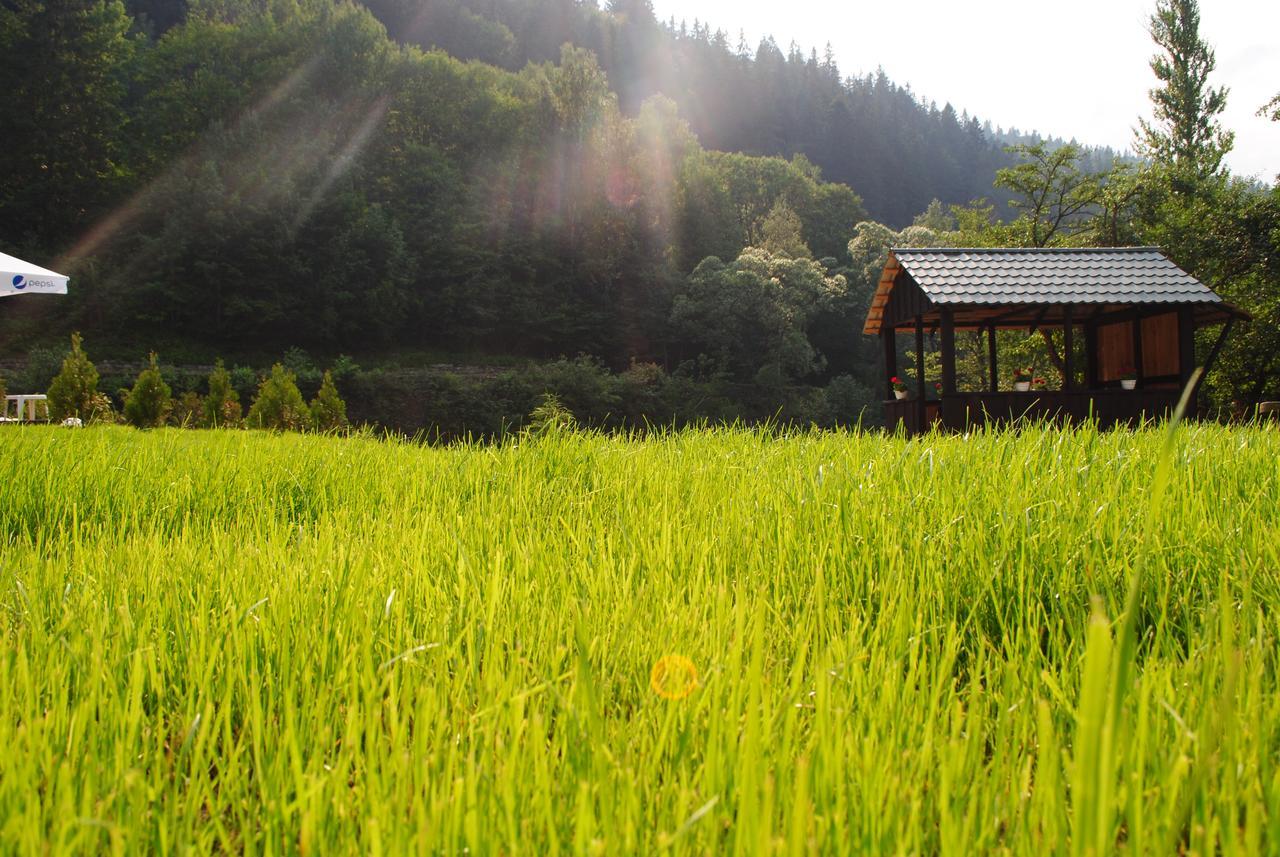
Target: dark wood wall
1159,342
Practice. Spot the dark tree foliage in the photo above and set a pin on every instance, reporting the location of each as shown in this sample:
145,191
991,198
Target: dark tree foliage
535,178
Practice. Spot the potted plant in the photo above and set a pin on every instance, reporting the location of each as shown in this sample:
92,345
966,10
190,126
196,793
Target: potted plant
937,388
1038,383
1022,379
1128,378
899,387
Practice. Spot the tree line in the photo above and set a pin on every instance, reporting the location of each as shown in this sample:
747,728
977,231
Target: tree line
241,177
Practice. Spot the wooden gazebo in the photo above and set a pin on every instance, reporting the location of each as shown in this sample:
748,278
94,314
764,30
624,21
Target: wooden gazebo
1136,310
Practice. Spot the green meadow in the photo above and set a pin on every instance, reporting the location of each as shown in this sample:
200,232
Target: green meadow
1050,641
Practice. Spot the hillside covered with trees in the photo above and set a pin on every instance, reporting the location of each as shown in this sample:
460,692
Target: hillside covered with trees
541,179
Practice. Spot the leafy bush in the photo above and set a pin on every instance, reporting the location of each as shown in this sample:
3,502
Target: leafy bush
279,404
222,405
74,392
42,367
188,410
344,367
328,411
150,400
851,402
551,416
244,380
305,372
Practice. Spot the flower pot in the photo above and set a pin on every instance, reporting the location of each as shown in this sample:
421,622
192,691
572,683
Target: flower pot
900,394
1130,384
1022,386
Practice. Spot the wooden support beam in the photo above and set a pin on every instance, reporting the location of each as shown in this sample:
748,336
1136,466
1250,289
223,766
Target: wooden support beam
920,369
1136,326
1068,350
948,351
1186,344
1013,313
991,359
1035,325
1091,356
1210,360
889,339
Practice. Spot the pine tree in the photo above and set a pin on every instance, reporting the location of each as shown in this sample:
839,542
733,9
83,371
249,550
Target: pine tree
1184,133
150,401
74,393
328,411
61,93
222,405
279,405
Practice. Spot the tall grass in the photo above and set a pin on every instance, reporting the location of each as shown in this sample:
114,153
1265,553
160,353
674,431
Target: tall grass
271,644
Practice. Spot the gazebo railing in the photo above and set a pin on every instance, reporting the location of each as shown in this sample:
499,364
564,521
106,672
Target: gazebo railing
961,411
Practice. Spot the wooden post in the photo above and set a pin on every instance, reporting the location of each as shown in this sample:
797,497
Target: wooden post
920,369
1136,326
1068,351
991,358
948,351
1186,345
1091,355
889,339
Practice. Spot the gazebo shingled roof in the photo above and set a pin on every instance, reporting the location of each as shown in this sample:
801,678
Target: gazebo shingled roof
983,279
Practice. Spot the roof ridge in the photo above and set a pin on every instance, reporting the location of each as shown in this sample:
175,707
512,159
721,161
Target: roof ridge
1026,249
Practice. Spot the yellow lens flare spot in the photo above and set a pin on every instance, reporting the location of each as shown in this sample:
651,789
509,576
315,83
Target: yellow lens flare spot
673,677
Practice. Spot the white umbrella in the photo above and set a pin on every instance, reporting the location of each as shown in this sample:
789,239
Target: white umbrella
23,278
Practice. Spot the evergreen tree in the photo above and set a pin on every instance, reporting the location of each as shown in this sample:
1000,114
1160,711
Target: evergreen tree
150,401
279,405
222,405
1184,132
74,392
328,411
62,66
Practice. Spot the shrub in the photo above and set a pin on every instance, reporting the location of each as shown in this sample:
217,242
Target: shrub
222,405
279,405
244,380
42,367
551,416
74,392
328,411
150,399
851,401
305,373
188,410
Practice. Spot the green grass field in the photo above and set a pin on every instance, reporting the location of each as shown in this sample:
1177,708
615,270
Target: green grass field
236,642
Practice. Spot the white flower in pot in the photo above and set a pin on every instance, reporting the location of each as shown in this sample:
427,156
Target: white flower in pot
1022,379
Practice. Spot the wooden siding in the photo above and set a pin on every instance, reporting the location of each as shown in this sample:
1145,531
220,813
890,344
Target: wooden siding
1160,346
1115,350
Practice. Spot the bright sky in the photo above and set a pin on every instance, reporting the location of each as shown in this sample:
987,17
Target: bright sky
1074,69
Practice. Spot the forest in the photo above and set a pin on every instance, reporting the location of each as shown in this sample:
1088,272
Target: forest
630,204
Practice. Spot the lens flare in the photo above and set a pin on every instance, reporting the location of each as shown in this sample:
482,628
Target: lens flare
673,677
